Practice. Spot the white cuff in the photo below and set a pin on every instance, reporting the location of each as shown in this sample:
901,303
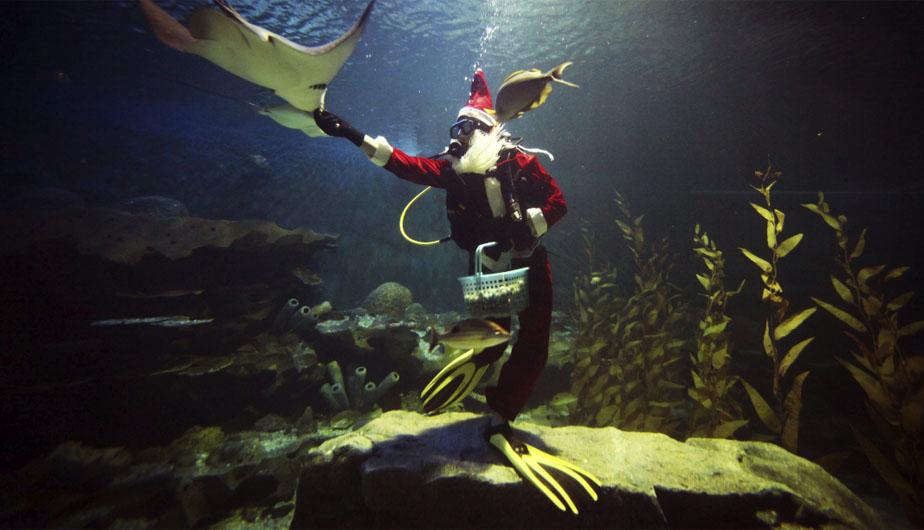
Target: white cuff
381,149
536,220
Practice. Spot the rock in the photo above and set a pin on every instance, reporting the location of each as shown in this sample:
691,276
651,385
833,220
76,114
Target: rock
415,312
128,239
154,206
271,423
203,499
408,470
201,479
65,270
306,421
389,299
379,345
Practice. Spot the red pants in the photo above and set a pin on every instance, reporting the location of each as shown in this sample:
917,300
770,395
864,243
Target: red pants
520,373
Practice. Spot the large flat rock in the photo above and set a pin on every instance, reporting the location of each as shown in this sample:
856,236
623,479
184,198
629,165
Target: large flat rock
408,470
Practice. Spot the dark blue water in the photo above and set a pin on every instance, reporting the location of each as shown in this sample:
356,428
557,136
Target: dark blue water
679,103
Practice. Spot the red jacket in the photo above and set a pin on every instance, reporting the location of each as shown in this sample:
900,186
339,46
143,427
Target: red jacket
467,203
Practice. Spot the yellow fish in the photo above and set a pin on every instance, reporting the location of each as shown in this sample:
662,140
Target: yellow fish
525,90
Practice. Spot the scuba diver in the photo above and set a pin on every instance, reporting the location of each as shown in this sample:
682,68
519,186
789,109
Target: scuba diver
495,192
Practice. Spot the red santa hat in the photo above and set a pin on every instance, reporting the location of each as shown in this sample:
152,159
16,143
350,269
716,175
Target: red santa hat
479,106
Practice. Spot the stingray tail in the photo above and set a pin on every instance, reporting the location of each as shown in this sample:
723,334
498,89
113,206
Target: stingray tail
558,71
166,28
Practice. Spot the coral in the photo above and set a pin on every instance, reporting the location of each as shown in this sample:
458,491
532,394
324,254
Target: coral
292,318
354,393
389,299
782,418
415,312
892,380
628,344
716,414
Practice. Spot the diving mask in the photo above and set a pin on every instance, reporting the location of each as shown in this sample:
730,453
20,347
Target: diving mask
464,128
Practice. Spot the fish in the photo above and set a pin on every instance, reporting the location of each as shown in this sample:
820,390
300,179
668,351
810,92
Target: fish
292,118
176,321
525,90
298,74
472,333
172,293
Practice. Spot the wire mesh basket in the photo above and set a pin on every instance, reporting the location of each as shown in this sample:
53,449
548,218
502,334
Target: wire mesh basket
496,294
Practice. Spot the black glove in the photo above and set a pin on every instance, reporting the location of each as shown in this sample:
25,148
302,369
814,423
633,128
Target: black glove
520,231
512,233
335,126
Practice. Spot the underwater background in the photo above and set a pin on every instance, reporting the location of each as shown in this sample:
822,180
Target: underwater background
679,103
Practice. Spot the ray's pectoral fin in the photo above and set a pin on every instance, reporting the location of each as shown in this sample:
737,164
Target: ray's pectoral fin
298,74
166,28
293,118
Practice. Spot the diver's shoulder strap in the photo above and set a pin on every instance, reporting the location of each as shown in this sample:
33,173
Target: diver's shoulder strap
535,151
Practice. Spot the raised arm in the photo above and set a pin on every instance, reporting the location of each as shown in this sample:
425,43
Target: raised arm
419,170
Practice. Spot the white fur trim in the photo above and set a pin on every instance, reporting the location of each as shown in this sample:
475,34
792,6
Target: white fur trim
492,189
483,152
381,149
477,114
537,223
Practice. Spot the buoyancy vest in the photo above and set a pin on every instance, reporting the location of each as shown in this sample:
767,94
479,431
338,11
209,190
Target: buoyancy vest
468,209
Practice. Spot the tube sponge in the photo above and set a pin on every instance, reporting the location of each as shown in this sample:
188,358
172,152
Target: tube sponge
340,395
386,384
321,309
300,318
333,370
369,393
355,386
282,318
328,393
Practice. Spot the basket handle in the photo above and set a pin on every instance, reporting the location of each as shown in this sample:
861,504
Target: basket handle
479,250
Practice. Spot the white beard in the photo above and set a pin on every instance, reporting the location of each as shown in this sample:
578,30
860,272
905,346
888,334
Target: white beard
483,151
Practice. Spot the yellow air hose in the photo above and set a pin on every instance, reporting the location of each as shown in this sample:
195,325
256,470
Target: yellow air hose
404,214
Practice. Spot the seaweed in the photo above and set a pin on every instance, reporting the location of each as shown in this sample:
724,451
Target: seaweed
628,339
715,414
782,417
892,380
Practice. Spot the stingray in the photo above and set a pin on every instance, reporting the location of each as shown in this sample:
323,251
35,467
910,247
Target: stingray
298,74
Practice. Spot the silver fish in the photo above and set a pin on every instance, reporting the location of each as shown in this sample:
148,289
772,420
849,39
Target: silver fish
176,321
472,333
525,90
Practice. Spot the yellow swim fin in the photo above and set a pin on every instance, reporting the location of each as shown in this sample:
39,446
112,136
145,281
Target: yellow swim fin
454,382
535,466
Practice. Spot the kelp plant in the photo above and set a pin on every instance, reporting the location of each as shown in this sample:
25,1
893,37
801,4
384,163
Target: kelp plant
716,414
782,417
628,344
891,379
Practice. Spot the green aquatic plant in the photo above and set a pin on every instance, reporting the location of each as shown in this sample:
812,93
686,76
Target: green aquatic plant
628,341
892,379
715,414
782,416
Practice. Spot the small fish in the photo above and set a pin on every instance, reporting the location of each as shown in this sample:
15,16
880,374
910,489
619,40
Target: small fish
525,90
164,322
472,333
61,77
